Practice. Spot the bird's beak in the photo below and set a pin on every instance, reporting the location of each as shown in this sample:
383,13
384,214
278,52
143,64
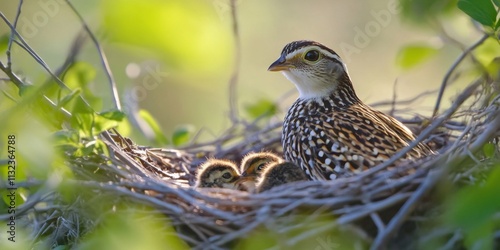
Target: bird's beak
243,179
280,64
245,183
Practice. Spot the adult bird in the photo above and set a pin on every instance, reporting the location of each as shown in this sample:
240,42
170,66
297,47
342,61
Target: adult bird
328,131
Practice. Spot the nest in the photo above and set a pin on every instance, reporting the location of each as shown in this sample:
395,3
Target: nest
373,206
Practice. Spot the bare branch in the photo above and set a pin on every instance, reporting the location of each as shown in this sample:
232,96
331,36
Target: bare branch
102,55
12,37
233,82
452,69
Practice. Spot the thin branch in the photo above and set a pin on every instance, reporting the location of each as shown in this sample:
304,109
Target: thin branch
102,55
13,77
377,221
24,45
394,98
432,178
403,102
74,50
233,93
382,237
452,69
11,39
426,132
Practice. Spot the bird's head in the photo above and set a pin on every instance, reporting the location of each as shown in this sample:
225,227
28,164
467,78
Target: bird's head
253,164
218,173
316,70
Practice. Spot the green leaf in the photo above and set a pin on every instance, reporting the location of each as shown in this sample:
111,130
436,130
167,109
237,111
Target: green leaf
473,209
90,124
497,3
4,42
482,11
413,55
79,75
114,115
489,150
159,137
493,69
81,107
262,107
102,124
65,137
68,98
182,135
83,123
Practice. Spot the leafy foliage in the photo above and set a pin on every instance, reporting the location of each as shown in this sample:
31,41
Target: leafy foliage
482,11
159,137
59,124
419,11
473,210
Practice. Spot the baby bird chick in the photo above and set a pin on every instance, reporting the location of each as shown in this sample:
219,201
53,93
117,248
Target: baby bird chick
276,174
216,173
252,165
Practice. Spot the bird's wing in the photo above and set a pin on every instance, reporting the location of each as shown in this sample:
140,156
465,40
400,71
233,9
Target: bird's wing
343,143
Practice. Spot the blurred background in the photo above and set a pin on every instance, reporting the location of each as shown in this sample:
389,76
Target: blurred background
174,59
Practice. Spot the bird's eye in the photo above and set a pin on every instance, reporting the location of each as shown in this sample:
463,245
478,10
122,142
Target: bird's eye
226,176
261,166
312,55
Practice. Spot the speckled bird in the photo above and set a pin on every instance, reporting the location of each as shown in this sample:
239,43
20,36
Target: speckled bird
252,165
328,131
215,173
276,174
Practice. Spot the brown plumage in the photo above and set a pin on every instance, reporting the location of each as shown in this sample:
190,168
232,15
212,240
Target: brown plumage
276,174
329,132
216,173
252,165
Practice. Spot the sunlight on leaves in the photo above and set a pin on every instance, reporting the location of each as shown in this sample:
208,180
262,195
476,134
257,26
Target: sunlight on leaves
71,96
154,126
412,55
79,75
487,51
113,115
125,128
299,232
133,229
36,151
188,34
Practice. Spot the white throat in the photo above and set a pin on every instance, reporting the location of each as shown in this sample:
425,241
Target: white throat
308,87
